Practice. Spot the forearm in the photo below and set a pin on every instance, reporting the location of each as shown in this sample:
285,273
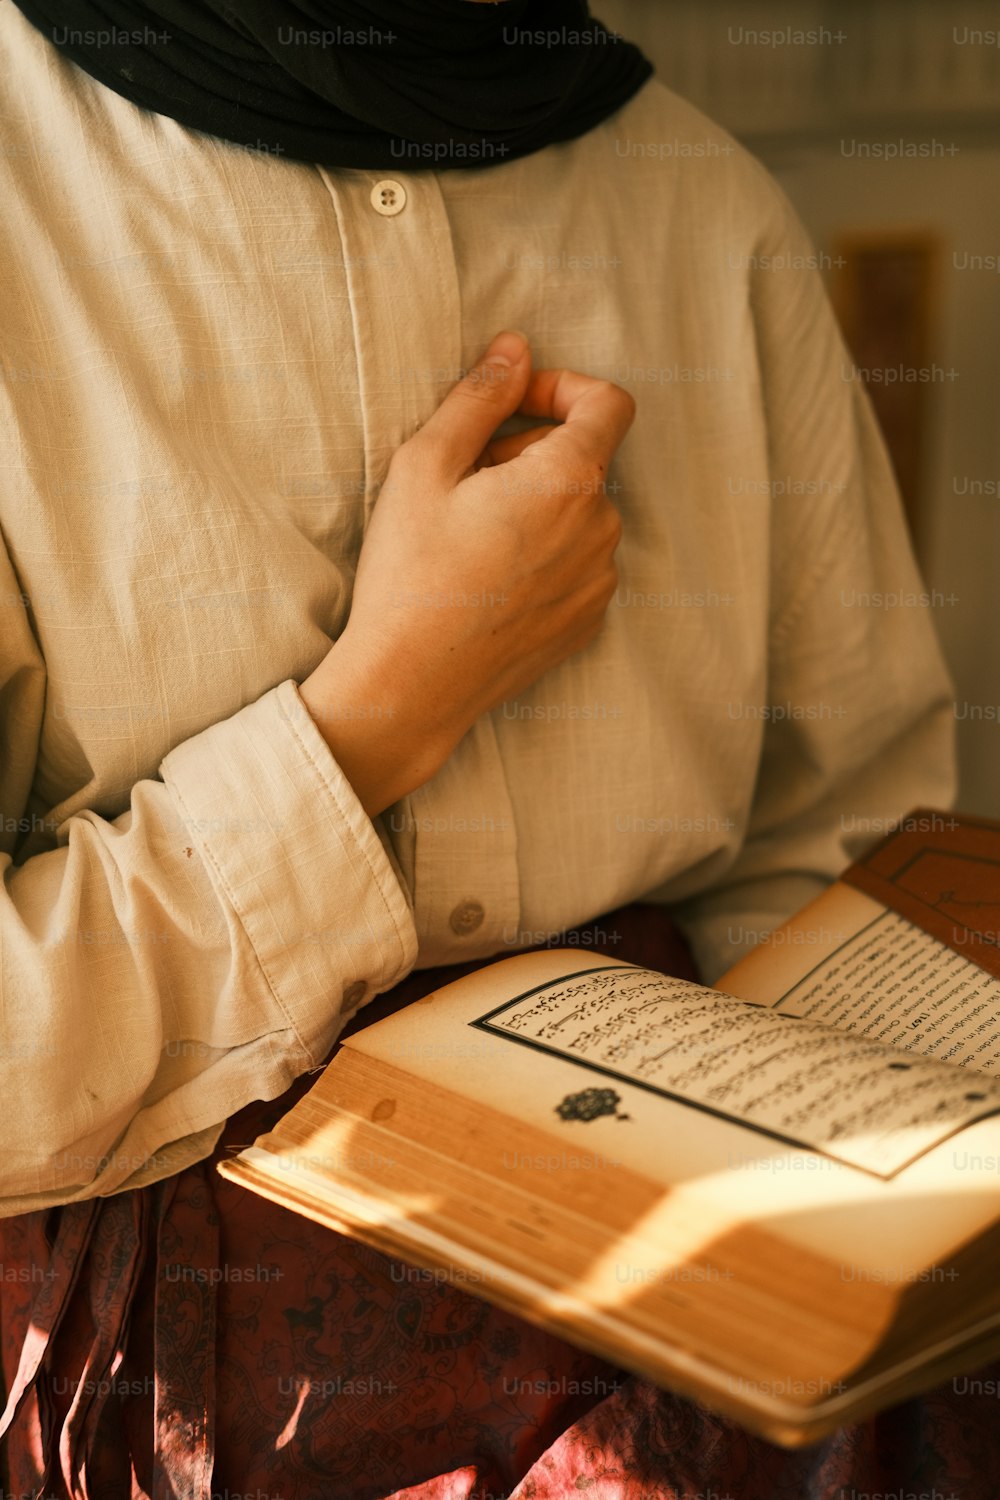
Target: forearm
162,970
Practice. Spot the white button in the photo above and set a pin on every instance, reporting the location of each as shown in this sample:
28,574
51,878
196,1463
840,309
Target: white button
388,197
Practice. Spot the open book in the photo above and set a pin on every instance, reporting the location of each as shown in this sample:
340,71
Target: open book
780,1196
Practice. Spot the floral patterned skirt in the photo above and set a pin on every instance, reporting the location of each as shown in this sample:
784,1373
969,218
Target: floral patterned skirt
190,1340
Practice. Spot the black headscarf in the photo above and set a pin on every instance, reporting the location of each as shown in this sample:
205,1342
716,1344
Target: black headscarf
400,84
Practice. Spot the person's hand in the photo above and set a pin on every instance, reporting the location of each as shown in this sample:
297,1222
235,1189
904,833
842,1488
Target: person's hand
487,561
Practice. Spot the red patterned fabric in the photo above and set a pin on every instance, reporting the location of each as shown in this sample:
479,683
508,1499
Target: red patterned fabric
190,1340
644,1444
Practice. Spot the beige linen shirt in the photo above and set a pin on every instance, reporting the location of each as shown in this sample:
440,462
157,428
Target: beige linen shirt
209,355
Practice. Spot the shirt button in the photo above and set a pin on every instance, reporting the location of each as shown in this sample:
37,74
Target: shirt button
354,993
388,197
466,917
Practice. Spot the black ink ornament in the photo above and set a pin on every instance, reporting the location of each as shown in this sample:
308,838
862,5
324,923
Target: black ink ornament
589,1105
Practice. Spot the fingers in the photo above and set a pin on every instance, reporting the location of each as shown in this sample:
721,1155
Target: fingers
452,439
502,450
595,414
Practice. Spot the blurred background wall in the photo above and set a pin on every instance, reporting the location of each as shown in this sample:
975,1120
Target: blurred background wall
881,119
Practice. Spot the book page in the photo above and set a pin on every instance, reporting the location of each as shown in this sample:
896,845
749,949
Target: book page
716,1170
939,874
850,1098
896,984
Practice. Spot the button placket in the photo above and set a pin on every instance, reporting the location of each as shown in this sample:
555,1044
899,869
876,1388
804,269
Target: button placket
403,287
455,843
467,898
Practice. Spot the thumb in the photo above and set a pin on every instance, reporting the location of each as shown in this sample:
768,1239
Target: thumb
455,436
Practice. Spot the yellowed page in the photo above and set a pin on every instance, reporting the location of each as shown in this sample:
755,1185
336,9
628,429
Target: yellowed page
851,964
810,938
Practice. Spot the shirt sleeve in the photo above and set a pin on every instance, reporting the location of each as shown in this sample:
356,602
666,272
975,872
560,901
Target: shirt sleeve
160,970
858,725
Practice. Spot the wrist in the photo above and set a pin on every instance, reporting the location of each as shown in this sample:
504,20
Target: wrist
380,734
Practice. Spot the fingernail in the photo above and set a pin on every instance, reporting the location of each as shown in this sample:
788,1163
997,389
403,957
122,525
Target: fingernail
506,349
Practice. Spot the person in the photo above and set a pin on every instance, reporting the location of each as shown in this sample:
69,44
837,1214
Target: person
340,655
